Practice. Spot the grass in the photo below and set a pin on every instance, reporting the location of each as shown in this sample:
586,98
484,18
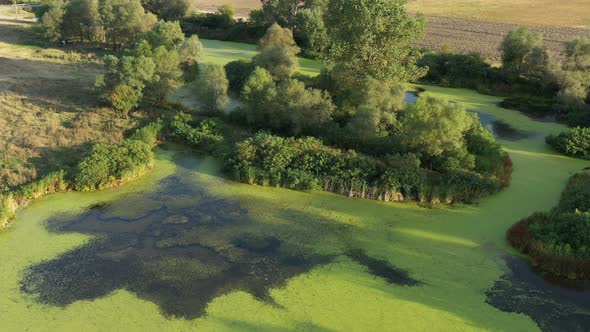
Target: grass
222,52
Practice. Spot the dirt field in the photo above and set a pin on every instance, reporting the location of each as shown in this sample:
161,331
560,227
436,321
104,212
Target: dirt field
47,106
485,37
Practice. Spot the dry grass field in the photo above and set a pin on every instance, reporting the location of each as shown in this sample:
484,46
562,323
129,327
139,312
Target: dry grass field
47,106
562,13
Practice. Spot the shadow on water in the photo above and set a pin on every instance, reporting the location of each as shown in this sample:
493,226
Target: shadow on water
382,268
180,247
553,305
501,129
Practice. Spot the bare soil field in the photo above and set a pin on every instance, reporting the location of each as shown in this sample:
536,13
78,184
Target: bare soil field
485,37
47,106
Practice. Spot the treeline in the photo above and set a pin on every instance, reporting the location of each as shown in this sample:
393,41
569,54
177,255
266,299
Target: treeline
535,83
305,18
306,163
558,242
105,166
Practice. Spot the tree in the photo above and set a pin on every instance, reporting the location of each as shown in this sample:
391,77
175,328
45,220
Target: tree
436,126
283,12
212,86
516,47
238,73
166,75
163,33
81,19
312,29
190,52
277,52
258,95
52,20
373,38
306,110
169,10
227,13
577,54
124,98
123,21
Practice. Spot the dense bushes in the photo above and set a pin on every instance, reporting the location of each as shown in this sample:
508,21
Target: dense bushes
573,142
558,241
205,134
305,163
106,165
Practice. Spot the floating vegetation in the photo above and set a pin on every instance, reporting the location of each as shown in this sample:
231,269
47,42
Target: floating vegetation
553,305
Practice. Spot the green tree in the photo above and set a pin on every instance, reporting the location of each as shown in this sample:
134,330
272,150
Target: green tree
166,76
517,47
258,95
123,21
277,52
52,20
238,73
82,19
167,34
124,98
283,12
169,10
306,110
227,12
212,89
373,38
190,52
436,126
311,26
577,54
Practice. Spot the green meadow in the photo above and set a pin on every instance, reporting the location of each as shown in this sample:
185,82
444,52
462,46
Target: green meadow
456,253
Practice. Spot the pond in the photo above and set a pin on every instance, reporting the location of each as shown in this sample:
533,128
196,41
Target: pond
185,249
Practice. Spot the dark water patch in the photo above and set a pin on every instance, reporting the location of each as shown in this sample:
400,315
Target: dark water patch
411,97
176,246
502,129
382,268
555,305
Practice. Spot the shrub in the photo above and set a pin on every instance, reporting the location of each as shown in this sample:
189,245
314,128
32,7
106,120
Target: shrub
237,73
573,142
306,163
205,134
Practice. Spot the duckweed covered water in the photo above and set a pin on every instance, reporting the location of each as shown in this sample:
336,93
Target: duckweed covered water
183,249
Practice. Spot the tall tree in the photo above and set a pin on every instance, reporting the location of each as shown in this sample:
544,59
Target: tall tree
212,86
277,52
517,47
373,38
123,21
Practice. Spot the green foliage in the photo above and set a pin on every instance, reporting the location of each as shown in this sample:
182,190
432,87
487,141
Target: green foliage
434,126
190,52
517,48
573,142
123,20
109,165
164,33
559,241
169,10
238,73
205,134
52,20
311,29
373,38
456,70
227,12
123,98
212,86
305,163
277,52
288,107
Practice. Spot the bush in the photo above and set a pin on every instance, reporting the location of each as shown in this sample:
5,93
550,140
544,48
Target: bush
559,241
574,142
109,165
306,163
237,74
205,134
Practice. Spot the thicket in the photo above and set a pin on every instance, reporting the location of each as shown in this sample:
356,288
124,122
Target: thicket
558,242
306,163
106,165
574,142
205,134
